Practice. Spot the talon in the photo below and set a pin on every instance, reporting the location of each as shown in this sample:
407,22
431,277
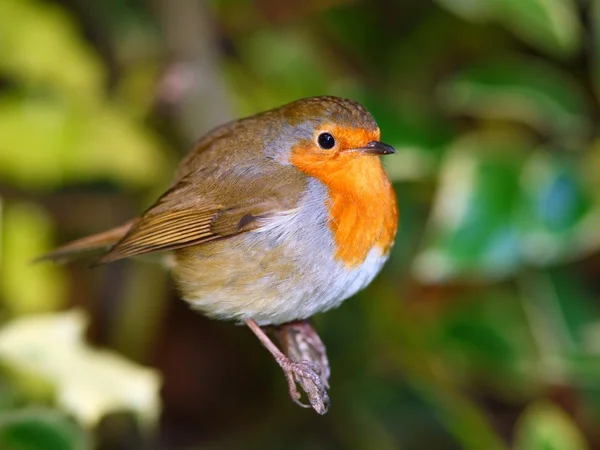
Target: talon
299,403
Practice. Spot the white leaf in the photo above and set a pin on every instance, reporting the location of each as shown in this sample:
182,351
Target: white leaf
89,383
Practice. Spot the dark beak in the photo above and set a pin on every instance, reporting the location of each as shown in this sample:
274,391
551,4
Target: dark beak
376,148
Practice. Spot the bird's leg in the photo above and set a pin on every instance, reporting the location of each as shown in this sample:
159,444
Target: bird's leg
295,371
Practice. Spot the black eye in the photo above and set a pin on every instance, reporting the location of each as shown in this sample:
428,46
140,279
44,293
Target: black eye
326,141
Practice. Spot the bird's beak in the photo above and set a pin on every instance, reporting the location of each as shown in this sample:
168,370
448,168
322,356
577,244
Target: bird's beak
375,148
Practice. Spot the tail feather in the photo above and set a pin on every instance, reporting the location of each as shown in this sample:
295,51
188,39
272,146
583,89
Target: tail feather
87,244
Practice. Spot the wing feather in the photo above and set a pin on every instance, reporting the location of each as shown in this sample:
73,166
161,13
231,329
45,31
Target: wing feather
193,212
164,231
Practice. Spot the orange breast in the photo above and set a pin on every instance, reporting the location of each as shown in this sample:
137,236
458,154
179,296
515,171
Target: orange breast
362,218
362,202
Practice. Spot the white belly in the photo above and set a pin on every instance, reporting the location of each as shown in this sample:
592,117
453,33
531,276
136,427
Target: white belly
327,290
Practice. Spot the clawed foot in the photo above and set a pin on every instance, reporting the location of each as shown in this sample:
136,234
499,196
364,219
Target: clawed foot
300,342
303,361
308,375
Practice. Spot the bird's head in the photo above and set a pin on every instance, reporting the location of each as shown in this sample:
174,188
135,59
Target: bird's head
333,139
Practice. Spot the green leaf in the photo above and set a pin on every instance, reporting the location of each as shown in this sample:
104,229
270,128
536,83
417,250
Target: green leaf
470,231
557,216
475,10
288,63
577,307
41,128
550,25
40,45
489,336
71,143
523,90
544,426
498,208
40,429
562,317
27,288
113,146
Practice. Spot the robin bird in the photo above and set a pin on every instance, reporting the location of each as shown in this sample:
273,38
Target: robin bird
271,218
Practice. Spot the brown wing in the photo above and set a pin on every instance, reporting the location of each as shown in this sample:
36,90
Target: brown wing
171,230
194,213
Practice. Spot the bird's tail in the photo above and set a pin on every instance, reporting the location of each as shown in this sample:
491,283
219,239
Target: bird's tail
95,242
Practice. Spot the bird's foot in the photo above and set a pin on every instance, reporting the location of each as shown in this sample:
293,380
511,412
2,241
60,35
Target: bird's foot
303,361
308,375
300,342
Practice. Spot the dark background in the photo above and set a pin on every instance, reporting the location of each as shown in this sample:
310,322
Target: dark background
482,332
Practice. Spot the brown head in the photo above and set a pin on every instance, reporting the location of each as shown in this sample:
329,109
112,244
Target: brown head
326,133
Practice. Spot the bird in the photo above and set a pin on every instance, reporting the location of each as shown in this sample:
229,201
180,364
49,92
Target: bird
270,219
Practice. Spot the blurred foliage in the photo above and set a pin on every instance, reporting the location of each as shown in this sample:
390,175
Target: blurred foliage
88,383
40,429
58,111
483,330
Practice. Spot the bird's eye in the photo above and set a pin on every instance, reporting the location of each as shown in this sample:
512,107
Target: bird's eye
326,141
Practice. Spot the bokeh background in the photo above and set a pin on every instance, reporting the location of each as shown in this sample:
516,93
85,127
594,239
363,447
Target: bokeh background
483,331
